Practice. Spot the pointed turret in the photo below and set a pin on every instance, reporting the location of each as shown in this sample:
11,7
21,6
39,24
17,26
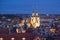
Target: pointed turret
35,19
36,12
33,13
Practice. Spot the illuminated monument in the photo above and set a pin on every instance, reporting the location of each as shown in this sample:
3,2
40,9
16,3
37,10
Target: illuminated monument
35,19
33,22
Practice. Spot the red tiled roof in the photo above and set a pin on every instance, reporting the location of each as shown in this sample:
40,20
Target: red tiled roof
28,36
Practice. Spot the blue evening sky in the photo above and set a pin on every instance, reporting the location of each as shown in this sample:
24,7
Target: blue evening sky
26,6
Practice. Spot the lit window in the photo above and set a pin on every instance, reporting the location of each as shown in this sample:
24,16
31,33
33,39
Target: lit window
17,30
53,30
12,38
23,38
23,31
1,38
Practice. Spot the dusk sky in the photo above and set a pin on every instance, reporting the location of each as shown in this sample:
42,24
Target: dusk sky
26,6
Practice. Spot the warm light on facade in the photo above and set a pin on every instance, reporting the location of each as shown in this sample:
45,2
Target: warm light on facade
28,21
22,21
28,24
17,30
1,38
12,38
35,20
21,24
52,30
23,31
24,38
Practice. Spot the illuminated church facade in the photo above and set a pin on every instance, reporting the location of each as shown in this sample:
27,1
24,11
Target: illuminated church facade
35,19
33,22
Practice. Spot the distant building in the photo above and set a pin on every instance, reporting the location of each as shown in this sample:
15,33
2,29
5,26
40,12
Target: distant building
35,19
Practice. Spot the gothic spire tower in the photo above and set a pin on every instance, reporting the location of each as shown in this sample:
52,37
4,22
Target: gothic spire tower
33,13
35,19
36,12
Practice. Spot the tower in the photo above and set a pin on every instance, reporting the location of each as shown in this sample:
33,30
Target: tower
36,12
35,20
33,12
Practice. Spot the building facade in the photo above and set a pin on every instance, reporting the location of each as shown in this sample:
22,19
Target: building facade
35,19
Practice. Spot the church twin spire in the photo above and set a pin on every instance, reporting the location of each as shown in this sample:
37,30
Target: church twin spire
33,14
35,19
